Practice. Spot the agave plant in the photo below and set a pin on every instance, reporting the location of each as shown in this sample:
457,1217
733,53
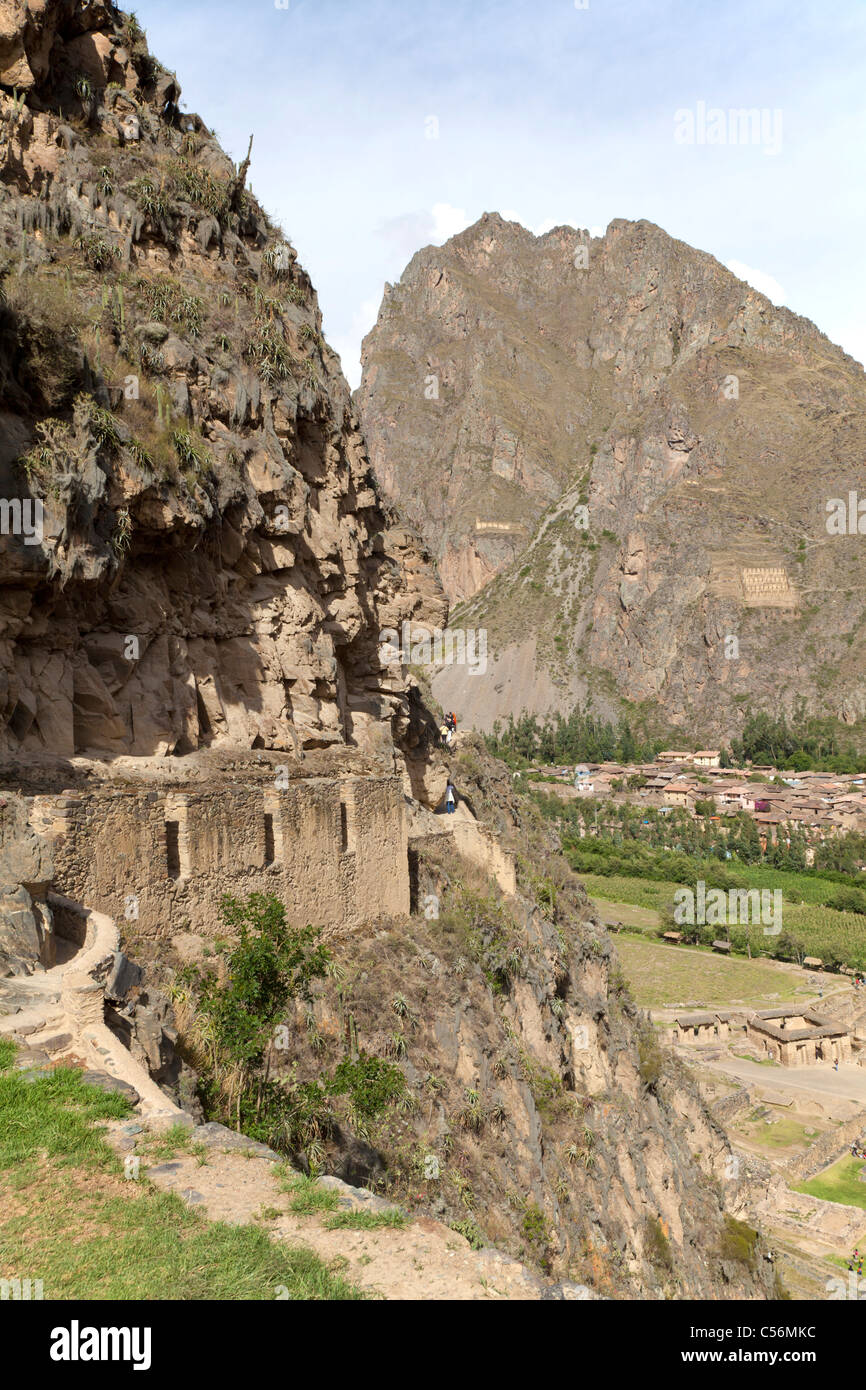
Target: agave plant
120,541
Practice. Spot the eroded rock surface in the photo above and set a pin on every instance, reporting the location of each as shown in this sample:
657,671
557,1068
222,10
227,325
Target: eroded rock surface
214,564
621,457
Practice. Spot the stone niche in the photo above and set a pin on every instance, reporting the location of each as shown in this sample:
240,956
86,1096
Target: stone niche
334,850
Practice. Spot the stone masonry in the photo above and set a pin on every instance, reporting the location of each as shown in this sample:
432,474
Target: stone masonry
333,849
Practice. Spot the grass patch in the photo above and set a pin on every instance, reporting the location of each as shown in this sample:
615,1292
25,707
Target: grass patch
177,1139
307,1197
69,1218
658,1246
785,1133
662,975
838,1183
366,1220
739,1242
822,931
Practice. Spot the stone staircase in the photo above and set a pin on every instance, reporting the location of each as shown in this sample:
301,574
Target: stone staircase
59,1014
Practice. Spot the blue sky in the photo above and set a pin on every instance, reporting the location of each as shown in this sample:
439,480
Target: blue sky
383,125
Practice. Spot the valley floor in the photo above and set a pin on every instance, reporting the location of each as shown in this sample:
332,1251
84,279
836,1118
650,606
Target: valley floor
793,1126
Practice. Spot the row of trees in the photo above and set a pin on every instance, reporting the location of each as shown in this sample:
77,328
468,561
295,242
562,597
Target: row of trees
804,743
733,836
580,738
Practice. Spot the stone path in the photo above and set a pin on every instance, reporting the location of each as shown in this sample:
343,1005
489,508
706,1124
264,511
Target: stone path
60,1013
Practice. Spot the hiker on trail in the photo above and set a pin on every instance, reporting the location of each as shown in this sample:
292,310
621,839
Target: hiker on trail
836,1065
450,799
446,734
453,722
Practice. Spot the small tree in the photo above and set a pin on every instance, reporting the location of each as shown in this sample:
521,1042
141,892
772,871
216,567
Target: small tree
266,964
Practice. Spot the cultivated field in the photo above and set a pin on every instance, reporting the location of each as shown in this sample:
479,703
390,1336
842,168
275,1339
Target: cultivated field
821,930
663,976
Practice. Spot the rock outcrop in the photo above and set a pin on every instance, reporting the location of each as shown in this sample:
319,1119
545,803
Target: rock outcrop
212,562
621,457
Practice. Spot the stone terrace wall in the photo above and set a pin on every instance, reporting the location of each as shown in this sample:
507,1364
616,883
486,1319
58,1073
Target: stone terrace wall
333,850
825,1150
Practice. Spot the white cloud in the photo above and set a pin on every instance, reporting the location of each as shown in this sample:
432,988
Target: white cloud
348,345
759,280
448,221
412,230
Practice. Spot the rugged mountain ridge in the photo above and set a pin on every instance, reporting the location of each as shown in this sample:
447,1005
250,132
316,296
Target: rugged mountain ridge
215,564
621,456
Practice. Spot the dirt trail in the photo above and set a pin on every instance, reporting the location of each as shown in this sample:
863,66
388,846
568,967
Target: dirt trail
424,1260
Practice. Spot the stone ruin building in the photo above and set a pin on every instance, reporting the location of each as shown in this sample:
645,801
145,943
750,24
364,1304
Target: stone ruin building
799,1038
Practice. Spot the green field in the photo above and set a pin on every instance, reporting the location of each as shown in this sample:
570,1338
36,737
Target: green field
663,976
839,1183
785,1134
821,929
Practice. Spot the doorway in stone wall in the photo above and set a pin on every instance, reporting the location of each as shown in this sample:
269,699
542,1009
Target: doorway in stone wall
273,832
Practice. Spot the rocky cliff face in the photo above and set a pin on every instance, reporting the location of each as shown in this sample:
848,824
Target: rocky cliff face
213,563
621,457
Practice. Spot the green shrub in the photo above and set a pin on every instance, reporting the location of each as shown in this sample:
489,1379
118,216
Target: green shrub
152,198
471,1232
739,1242
658,1247
191,452
650,1060
169,302
196,186
370,1082
267,964
98,253
535,1227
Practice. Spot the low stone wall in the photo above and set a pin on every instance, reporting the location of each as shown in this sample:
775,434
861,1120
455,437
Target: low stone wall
731,1105
480,846
832,1145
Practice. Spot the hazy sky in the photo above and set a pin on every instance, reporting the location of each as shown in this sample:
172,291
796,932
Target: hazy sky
383,125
